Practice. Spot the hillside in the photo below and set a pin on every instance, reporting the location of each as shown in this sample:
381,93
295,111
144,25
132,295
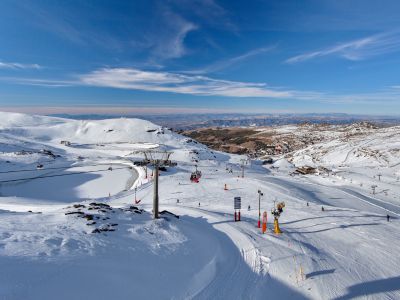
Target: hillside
270,140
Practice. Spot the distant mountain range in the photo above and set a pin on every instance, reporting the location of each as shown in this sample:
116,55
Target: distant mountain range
194,121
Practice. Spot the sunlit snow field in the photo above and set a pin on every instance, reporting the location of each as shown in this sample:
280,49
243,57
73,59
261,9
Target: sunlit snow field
49,246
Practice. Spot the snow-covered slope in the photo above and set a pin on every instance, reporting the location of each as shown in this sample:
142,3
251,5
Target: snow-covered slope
55,130
365,159
80,225
121,137
377,148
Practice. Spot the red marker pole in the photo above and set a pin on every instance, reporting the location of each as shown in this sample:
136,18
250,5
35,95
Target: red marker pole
259,209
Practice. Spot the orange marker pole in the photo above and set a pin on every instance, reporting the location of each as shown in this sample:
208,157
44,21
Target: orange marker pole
264,223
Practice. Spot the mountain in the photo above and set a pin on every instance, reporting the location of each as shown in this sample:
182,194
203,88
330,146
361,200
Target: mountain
76,214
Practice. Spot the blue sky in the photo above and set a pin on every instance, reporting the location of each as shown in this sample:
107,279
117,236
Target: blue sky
200,56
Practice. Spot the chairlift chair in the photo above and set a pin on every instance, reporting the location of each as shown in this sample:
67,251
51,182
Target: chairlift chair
195,176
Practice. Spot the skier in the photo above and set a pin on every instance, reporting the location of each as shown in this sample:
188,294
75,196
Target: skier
199,204
388,218
307,204
248,208
322,208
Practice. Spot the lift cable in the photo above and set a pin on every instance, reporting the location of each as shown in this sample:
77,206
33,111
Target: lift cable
59,175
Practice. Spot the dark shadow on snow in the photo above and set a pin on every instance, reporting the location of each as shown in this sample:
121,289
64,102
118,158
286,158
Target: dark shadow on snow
343,226
51,188
332,216
321,272
372,287
256,286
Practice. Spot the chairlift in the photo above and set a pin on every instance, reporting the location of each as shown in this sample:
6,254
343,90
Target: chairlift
195,176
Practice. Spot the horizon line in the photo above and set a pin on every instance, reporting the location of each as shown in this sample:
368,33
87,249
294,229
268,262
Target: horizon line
132,110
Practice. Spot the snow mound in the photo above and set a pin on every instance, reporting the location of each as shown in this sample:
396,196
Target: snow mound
283,164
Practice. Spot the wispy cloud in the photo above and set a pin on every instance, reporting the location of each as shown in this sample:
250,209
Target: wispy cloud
221,65
159,36
40,82
49,20
14,65
170,39
117,110
169,82
157,81
359,49
385,96
207,12
164,38
135,79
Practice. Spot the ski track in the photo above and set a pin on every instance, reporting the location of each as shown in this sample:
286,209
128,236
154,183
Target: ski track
304,248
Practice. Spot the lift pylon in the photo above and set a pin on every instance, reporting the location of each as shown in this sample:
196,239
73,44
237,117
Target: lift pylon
156,159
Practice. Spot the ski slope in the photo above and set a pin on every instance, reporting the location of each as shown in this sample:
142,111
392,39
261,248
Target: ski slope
358,157
72,229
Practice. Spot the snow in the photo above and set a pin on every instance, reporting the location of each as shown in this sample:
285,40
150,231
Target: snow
359,162
89,182
49,247
283,164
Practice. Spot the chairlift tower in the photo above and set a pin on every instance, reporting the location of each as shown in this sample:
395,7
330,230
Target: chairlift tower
374,186
242,163
157,159
260,194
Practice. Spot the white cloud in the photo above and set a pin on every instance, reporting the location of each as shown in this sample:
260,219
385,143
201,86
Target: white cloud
155,81
166,38
14,65
135,79
55,83
385,96
220,65
170,41
115,110
358,49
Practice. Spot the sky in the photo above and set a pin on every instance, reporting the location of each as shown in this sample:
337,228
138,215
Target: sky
200,56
